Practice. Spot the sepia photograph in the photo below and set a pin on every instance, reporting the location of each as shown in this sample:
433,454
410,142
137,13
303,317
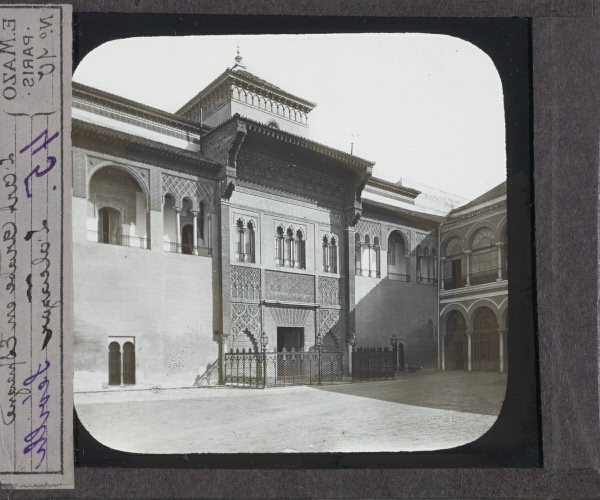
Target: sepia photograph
289,243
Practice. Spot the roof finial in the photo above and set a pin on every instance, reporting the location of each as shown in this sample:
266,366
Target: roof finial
238,60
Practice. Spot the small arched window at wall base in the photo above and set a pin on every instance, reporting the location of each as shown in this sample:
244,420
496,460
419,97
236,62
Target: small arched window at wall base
330,254
121,361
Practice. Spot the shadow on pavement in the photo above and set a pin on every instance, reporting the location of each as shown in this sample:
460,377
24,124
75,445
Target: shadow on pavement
474,392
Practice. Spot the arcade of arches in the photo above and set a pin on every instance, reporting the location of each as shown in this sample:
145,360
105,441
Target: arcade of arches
475,343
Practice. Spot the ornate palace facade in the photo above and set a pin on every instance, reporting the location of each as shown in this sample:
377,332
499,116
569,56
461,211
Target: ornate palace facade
196,232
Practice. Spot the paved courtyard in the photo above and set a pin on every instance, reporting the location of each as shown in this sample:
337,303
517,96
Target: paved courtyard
421,411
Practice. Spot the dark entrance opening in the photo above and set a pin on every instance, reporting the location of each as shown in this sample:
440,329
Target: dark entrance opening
290,337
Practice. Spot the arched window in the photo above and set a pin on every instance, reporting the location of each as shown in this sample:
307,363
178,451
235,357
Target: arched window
484,259
455,344
377,262
250,239
333,255
109,226
397,267
300,257
128,363
325,242
485,341
289,239
279,237
419,253
357,255
455,265
239,239
114,364
484,320
201,215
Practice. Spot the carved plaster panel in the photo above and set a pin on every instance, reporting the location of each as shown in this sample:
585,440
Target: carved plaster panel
245,317
280,174
329,291
181,188
330,320
426,240
269,204
245,282
79,173
373,229
289,316
289,287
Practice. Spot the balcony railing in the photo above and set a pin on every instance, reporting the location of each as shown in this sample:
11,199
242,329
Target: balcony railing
169,246
426,281
398,277
117,239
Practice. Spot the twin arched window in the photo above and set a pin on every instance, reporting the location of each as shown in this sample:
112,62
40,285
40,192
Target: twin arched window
245,241
290,248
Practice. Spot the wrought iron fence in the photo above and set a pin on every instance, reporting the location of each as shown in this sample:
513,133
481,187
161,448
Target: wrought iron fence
183,248
280,369
117,239
426,281
372,363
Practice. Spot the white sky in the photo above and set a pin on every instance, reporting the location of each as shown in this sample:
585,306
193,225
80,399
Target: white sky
423,107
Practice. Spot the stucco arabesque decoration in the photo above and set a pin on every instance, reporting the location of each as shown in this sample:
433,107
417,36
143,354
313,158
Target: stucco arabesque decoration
330,322
329,291
182,188
245,282
246,317
290,287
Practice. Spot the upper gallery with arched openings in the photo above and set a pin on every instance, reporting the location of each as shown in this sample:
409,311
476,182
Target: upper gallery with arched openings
117,209
185,226
475,259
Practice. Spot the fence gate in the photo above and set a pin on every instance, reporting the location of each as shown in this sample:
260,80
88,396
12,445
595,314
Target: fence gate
370,363
254,369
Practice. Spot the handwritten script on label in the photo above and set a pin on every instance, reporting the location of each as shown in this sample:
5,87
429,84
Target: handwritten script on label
35,247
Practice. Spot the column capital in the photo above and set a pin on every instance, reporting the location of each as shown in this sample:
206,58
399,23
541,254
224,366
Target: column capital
499,243
442,257
194,212
177,209
467,252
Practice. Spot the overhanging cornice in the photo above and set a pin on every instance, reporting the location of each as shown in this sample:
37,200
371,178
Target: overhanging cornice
143,149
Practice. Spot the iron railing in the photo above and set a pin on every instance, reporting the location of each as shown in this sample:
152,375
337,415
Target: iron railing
372,363
117,239
398,277
254,369
426,281
183,248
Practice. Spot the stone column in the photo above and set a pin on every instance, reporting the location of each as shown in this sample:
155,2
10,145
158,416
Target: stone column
195,237
441,274
370,256
469,352
443,352
178,228
499,245
468,254
501,350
